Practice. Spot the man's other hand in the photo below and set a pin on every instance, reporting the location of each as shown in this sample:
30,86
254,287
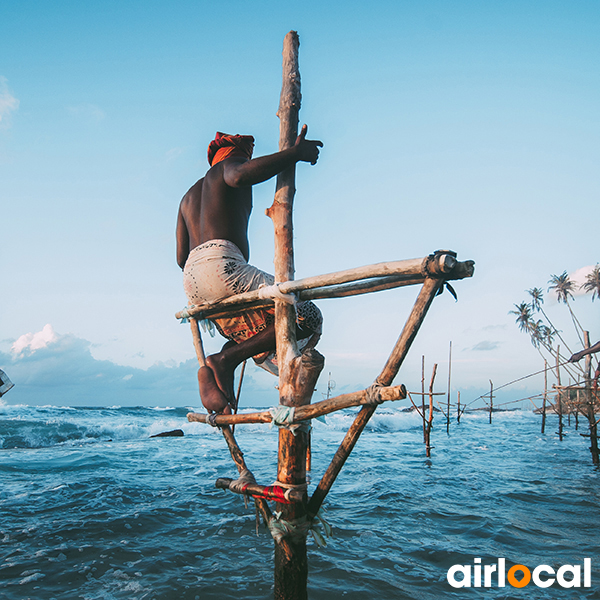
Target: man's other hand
577,357
308,150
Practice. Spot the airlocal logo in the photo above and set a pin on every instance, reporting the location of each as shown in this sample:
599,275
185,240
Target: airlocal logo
543,576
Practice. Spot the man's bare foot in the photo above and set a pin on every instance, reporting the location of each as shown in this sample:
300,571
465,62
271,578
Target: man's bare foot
212,397
223,374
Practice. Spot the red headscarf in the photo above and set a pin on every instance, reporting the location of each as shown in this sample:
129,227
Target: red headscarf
225,145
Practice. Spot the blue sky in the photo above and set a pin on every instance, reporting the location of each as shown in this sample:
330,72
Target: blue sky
466,125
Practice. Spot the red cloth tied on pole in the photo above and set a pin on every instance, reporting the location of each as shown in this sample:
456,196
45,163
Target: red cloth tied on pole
224,146
274,492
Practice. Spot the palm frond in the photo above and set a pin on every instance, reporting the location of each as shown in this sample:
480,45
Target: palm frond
563,286
592,282
537,298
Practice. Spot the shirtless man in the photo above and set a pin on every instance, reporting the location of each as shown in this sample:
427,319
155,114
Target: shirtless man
213,251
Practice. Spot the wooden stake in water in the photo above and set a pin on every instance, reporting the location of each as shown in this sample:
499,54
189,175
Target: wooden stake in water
545,395
559,395
430,416
423,398
448,404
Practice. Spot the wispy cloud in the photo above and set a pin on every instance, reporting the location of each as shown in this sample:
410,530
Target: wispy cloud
173,154
8,103
486,345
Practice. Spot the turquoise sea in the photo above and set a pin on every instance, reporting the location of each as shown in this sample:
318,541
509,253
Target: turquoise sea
91,507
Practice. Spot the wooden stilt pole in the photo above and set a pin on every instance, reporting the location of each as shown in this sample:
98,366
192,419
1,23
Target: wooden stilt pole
423,399
236,454
491,400
559,395
545,396
297,373
569,403
239,393
458,409
430,415
591,402
448,404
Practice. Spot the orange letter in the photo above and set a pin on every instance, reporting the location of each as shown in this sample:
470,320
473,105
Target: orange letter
514,581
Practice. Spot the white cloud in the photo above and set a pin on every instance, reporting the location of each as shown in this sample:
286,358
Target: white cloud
579,278
52,368
35,341
8,103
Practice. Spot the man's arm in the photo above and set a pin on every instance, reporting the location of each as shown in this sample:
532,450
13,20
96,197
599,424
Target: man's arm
257,170
183,239
591,350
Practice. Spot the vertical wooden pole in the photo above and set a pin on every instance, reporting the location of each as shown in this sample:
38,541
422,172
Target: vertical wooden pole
545,396
458,409
430,415
491,400
559,395
448,404
569,403
297,373
591,415
423,399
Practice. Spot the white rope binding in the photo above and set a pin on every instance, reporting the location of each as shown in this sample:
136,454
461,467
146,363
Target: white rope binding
272,292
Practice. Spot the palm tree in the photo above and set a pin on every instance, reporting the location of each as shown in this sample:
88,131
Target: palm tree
524,316
592,283
563,286
537,300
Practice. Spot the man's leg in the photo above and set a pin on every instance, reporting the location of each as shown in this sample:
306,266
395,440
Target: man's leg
224,363
212,397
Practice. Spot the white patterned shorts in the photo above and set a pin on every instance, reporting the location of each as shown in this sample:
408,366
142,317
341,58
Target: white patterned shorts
216,270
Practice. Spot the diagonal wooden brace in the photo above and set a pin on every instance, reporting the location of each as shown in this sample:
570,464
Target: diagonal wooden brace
415,319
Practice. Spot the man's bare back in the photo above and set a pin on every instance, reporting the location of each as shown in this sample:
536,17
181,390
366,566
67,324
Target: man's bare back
218,207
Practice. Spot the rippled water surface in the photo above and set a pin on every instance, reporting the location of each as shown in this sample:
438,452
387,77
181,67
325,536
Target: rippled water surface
92,508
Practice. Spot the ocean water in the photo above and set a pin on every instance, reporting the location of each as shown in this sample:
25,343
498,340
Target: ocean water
91,507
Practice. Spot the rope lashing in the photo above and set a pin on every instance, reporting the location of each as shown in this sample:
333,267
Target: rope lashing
239,485
298,529
283,416
207,325
272,292
185,315
289,487
374,394
212,419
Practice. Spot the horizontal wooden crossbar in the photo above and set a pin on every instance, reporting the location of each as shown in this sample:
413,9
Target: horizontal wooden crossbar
270,492
350,282
310,411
